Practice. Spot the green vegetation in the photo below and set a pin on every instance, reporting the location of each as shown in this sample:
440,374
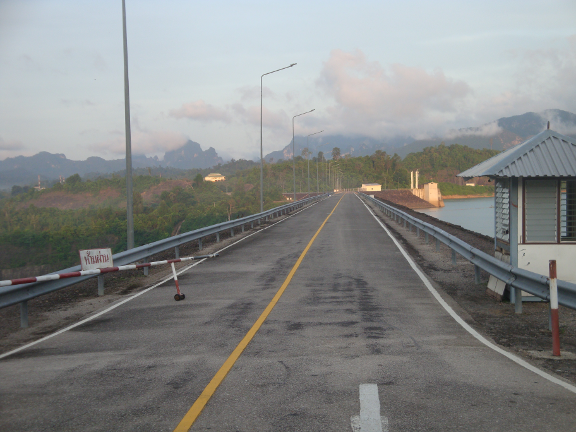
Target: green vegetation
31,233
448,189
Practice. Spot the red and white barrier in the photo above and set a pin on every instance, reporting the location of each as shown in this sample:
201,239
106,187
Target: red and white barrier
554,308
98,271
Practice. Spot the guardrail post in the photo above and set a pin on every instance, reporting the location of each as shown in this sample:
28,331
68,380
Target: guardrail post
453,256
144,270
477,274
252,225
177,252
217,237
427,238
437,244
200,244
417,232
242,227
101,283
404,220
24,314
517,300
231,232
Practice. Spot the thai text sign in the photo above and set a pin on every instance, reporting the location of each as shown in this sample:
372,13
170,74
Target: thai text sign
91,259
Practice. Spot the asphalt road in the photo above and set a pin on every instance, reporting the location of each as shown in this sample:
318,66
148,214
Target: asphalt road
353,313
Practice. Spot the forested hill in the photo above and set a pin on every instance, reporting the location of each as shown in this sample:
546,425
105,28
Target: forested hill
442,163
50,226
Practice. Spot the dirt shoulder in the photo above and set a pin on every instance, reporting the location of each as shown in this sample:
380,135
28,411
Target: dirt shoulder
526,334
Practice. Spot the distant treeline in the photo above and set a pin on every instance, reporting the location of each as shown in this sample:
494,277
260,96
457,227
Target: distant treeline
32,235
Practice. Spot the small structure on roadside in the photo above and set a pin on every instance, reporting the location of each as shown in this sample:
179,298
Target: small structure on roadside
535,205
214,177
371,187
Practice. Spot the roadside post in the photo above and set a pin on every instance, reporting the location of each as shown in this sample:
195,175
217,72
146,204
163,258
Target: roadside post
554,309
178,296
92,259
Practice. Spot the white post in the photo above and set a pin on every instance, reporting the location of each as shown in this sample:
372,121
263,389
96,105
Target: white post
554,309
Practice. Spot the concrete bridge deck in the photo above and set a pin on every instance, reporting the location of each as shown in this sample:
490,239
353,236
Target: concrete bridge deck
354,311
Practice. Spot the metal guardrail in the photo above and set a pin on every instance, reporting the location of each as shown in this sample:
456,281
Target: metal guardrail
533,283
11,295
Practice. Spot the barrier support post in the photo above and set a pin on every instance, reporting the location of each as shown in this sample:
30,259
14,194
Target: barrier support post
476,274
199,244
453,256
554,308
177,252
517,300
217,237
101,283
24,314
144,270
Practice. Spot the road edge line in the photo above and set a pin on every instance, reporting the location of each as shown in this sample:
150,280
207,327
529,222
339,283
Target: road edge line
121,302
463,323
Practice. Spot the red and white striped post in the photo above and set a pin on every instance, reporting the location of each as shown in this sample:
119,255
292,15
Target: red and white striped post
554,309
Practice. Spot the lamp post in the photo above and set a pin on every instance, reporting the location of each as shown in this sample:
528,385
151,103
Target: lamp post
129,197
293,151
261,151
333,178
307,146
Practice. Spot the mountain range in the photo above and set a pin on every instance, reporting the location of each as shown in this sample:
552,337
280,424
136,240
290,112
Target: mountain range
500,134
24,170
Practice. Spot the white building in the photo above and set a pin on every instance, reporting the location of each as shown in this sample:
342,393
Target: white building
535,203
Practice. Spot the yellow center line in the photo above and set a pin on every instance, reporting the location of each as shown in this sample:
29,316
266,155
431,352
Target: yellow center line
191,416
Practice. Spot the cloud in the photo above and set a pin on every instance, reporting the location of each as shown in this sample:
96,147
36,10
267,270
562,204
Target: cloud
201,111
12,148
11,144
542,79
144,141
487,130
248,93
270,119
377,101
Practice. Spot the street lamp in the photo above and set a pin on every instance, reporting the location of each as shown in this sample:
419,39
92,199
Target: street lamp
308,147
261,151
129,197
293,151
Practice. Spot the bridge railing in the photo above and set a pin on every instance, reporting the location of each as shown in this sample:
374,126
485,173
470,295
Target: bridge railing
11,295
533,283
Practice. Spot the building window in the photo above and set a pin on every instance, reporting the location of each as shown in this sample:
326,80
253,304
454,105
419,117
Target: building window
502,209
541,211
568,210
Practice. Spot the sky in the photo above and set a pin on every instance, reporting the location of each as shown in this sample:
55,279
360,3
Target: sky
374,68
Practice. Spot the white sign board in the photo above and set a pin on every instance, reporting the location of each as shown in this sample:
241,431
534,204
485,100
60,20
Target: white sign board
91,259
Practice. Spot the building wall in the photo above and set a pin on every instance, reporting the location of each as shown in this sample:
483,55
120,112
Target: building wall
535,257
371,188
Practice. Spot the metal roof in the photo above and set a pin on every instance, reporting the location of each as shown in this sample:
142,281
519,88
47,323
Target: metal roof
548,154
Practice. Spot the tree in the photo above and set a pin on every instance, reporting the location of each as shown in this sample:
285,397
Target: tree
306,153
73,179
335,153
198,180
321,156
